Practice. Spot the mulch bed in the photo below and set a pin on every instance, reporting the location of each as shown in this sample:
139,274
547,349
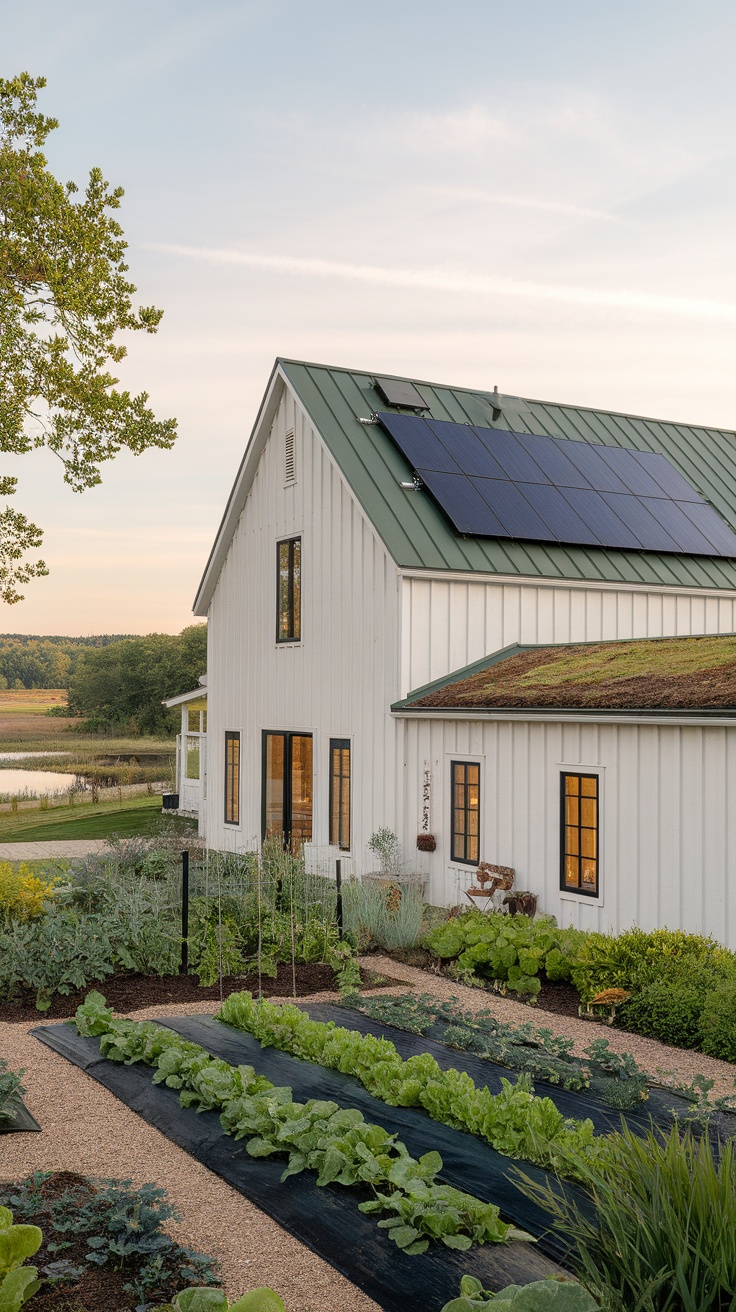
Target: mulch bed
558,996
97,1289
133,992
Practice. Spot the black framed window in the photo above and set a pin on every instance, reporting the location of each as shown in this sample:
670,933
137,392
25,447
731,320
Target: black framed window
465,817
289,590
232,778
579,826
340,793
287,787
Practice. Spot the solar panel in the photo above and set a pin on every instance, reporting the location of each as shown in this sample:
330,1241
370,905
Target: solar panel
494,483
396,391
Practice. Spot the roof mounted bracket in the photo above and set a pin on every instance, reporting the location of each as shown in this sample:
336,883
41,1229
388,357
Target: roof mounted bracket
416,485
373,419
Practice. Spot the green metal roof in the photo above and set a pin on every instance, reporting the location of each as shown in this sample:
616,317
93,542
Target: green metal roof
416,532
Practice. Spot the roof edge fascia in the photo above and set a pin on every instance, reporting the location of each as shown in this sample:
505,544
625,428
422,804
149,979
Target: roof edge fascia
432,574
240,489
572,715
196,695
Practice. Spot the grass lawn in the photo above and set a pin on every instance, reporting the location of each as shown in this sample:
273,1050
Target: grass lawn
132,816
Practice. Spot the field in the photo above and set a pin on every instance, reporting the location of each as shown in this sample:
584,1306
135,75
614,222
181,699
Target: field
103,760
134,815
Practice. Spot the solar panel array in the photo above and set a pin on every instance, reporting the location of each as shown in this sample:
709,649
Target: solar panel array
492,483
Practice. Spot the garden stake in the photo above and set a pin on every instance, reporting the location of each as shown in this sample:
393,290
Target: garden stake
184,967
219,922
260,931
338,905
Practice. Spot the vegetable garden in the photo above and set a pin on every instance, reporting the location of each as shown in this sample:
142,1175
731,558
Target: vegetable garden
437,1156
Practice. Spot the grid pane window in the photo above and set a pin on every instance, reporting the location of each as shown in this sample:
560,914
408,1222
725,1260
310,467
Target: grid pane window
289,590
232,778
340,793
579,825
465,787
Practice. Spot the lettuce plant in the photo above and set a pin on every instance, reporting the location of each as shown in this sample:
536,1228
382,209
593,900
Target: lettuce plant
18,1282
515,1121
318,1135
213,1300
551,1295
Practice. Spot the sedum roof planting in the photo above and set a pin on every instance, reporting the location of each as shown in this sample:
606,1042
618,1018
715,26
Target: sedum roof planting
645,674
417,533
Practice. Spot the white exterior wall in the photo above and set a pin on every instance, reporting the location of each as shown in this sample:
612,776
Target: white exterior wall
340,680
447,623
667,819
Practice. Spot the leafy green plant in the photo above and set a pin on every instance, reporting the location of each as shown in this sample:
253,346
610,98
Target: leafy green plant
385,845
556,1294
317,1135
514,1121
213,1300
115,1226
511,949
663,1234
18,1282
615,1078
346,966
11,1089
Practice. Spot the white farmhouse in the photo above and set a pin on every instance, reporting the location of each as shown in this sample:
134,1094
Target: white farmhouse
363,560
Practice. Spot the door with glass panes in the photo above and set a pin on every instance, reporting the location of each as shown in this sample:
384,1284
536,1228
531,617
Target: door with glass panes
287,787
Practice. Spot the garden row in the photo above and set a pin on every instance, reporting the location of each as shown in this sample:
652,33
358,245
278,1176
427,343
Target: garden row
658,1232
680,988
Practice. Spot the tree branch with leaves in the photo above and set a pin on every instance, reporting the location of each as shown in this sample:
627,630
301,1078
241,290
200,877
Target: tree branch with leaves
64,297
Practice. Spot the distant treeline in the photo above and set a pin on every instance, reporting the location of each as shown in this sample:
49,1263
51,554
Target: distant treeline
27,661
121,686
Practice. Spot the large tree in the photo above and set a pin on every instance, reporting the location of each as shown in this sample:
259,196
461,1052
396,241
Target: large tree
64,296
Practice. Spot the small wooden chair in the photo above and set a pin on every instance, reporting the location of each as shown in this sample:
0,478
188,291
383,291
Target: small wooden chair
491,879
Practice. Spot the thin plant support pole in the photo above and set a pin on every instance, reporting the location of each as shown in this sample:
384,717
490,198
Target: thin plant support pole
260,930
219,924
184,966
338,904
291,925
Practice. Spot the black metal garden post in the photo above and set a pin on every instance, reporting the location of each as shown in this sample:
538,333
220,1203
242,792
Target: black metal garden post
338,908
184,967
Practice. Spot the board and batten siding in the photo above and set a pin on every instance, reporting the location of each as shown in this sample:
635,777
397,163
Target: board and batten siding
667,819
340,680
447,623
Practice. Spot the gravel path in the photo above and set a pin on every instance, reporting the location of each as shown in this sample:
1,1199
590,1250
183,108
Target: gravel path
85,1128
62,847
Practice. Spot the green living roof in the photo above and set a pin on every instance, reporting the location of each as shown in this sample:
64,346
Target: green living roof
416,532
649,674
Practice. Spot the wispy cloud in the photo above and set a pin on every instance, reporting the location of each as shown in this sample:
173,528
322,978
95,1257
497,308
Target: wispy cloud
457,280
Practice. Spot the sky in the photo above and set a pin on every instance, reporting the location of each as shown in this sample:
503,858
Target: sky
532,195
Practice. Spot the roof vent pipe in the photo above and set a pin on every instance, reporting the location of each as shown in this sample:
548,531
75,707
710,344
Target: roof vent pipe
496,403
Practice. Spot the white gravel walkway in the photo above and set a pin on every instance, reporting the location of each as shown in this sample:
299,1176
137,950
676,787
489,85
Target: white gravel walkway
63,847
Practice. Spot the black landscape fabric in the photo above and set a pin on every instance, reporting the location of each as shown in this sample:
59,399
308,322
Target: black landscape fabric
327,1220
23,1122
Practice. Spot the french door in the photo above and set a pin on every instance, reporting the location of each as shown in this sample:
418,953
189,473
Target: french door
287,787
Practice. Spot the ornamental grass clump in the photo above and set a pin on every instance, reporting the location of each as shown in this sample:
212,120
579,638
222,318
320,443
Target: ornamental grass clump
663,1236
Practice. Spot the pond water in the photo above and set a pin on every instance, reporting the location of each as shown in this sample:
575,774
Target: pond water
17,782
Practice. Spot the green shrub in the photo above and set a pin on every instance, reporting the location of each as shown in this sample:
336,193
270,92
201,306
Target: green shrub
662,1237
718,1021
637,957
670,1008
387,915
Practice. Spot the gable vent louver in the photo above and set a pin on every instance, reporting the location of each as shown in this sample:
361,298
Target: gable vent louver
289,458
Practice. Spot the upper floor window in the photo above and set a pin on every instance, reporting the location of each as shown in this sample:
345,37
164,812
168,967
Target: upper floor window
579,825
465,785
289,590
